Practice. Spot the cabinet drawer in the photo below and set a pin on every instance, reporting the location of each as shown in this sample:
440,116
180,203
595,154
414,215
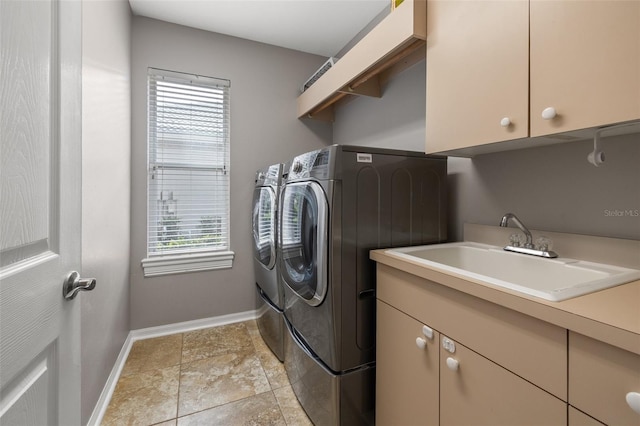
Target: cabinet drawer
530,348
600,376
477,391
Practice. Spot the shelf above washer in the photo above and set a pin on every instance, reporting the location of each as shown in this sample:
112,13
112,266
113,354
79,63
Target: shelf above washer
396,41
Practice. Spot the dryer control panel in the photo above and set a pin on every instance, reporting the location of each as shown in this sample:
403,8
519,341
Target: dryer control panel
315,164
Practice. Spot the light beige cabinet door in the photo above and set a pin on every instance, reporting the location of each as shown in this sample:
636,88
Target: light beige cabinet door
578,418
585,63
477,73
406,375
600,378
476,391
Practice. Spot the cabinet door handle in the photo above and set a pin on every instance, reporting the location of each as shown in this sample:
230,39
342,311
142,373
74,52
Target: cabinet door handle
633,399
453,364
549,113
505,122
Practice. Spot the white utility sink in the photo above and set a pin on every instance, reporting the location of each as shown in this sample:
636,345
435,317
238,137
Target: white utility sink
550,279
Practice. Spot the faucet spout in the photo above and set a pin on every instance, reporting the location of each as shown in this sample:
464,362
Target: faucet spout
513,218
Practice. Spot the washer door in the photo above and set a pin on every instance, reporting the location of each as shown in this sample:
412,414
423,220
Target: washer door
264,226
303,239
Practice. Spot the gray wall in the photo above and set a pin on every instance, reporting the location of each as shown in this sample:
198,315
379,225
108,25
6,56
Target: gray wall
550,188
553,188
394,121
264,87
106,146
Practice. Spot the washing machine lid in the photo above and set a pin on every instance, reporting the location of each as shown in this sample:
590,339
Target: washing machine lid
303,240
264,221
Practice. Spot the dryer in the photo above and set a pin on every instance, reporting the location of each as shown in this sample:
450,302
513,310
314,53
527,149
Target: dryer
268,287
337,204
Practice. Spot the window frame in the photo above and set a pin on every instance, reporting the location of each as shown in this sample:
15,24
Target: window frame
192,258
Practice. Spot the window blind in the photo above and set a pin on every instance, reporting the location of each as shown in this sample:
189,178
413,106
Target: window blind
188,183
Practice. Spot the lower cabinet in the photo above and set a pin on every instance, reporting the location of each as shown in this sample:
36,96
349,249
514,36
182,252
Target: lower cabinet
477,391
446,357
407,370
604,381
425,378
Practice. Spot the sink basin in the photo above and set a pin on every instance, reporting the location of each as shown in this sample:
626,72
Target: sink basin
550,279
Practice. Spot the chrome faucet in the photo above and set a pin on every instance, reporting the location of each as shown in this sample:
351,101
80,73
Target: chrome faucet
528,247
505,222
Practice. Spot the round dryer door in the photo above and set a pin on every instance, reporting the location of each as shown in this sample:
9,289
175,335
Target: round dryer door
264,226
303,239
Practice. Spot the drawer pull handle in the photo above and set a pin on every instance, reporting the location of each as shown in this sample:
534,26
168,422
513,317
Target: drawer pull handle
633,399
421,343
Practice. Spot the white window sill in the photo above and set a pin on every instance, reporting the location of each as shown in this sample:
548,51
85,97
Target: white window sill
192,262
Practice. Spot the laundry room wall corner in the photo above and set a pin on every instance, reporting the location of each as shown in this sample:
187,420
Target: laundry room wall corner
106,185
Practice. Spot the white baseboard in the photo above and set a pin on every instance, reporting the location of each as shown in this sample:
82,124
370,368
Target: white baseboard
182,327
148,333
110,385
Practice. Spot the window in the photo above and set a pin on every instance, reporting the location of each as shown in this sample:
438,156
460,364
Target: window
188,173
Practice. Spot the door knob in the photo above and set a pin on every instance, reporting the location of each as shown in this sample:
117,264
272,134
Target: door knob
73,284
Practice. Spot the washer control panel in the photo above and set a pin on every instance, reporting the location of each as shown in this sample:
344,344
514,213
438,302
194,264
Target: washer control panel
269,176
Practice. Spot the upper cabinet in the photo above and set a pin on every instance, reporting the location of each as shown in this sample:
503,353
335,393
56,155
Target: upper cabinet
394,42
477,72
585,64
500,71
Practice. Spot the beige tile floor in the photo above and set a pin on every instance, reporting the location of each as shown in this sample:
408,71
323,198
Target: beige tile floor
217,376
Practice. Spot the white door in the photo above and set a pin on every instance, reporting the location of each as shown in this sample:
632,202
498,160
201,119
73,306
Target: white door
40,131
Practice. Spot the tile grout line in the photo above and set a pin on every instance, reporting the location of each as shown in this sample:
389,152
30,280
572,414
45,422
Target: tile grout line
257,353
271,389
179,378
271,386
280,408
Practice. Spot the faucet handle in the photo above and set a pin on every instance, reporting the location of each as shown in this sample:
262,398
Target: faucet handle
543,243
516,240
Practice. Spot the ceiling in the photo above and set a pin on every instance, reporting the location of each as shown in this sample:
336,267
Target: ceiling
322,27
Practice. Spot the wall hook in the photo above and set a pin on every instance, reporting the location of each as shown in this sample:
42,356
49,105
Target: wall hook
597,156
